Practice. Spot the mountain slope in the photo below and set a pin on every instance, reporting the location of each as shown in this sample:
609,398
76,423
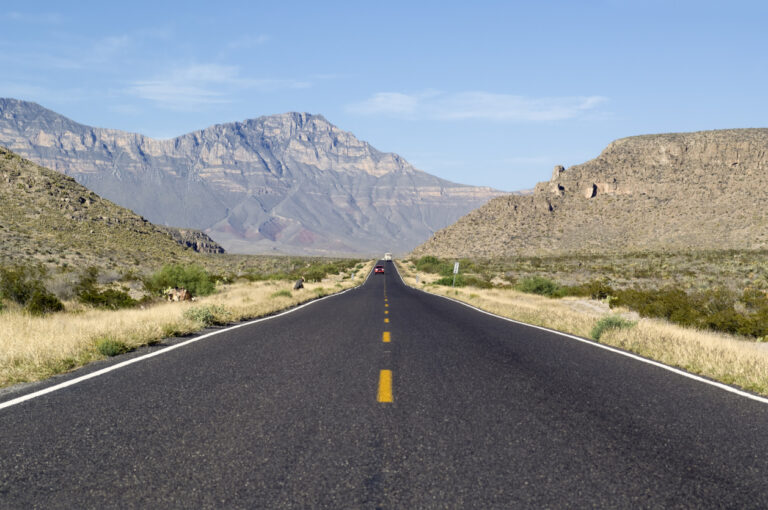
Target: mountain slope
705,190
291,182
46,217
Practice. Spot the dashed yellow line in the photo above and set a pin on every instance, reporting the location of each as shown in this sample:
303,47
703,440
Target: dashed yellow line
385,337
386,312
386,305
386,319
385,386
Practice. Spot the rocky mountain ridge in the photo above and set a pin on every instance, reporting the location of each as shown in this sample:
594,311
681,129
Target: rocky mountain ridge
705,190
290,183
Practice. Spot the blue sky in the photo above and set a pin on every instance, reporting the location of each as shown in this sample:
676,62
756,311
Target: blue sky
485,93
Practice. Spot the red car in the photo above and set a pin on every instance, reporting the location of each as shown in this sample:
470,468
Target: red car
378,269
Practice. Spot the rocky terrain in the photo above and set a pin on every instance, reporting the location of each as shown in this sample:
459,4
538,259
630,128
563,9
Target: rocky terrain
290,183
48,218
672,192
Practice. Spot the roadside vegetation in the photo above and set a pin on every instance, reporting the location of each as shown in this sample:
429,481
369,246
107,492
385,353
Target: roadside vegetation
715,329
82,316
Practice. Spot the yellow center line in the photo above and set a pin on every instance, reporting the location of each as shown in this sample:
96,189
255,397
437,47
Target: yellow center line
386,319
386,312
385,337
386,305
385,386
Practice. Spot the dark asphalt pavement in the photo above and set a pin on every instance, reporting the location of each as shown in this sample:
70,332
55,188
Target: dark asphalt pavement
485,414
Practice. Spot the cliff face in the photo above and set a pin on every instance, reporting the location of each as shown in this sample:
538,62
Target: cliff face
292,183
704,190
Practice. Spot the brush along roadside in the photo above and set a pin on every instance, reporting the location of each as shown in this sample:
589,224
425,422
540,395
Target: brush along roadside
36,347
726,358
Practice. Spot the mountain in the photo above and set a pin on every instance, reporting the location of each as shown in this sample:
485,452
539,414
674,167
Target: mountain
706,190
289,183
48,218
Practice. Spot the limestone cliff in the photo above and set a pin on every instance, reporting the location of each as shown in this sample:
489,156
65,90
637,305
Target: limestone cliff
704,190
289,183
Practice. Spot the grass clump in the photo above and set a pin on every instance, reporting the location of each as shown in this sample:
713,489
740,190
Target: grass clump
608,323
281,293
194,278
110,347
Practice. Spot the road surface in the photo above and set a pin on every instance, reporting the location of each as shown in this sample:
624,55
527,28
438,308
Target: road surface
384,397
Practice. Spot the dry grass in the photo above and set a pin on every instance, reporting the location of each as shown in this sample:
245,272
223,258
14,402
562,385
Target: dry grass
725,358
32,348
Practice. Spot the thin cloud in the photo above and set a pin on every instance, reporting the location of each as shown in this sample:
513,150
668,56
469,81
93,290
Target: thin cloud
248,42
196,86
476,105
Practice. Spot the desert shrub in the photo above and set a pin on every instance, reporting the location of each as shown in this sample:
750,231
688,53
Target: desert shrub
89,294
430,264
110,347
19,283
596,289
714,309
610,322
448,280
539,285
194,278
42,302
208,315
111,299
477,281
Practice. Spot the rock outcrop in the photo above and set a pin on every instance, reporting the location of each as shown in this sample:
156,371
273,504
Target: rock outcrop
290,183
704,191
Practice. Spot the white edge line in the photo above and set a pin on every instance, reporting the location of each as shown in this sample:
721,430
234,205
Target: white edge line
131,361
603,346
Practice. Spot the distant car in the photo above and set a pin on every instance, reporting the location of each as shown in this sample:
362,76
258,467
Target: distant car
378,269
387,256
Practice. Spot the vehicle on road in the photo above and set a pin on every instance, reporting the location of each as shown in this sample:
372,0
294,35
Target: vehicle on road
387,256
378,269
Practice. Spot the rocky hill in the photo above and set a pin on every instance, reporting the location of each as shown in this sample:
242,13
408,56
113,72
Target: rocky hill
706,190
48,218
289,183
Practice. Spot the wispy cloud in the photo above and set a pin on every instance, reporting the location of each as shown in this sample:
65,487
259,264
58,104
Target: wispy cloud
247,42
198,85
45,18
433,104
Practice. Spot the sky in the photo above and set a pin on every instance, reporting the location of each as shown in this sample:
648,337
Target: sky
484,93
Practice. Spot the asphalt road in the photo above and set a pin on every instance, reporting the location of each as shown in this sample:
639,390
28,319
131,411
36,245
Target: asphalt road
286,413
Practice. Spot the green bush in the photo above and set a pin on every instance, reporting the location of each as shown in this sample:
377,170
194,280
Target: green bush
596,289
281,293
430,264
19,283
109,347
610,322
209,315
194,278
110,299
539,285
448,281
42,302
89,294
714,309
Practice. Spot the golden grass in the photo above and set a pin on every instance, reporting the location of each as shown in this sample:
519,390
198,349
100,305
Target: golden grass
33,348
726,358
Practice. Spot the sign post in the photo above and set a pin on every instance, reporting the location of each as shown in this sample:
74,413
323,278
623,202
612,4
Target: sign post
455,272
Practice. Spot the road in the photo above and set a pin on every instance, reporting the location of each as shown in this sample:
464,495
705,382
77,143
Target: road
295,412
